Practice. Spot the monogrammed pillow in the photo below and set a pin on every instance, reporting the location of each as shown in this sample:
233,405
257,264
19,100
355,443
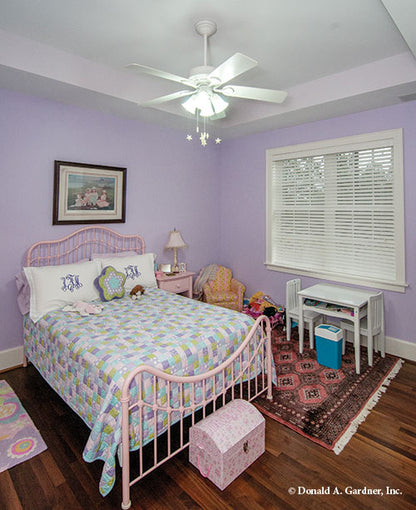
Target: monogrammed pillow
138,269
53,287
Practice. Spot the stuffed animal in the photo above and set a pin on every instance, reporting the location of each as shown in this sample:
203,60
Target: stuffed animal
258,303
261,304
84,308
135,291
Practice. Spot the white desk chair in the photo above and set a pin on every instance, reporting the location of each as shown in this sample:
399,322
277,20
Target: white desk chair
292,311
370,326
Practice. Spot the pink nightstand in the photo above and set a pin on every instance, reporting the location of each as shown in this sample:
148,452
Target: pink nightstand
178,283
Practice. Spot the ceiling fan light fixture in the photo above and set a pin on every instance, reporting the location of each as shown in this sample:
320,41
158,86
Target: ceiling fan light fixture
208,89
208,103
219,103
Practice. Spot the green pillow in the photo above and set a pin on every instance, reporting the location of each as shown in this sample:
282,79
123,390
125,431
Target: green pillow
110,284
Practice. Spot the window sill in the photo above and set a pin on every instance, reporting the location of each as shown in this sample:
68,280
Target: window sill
353,280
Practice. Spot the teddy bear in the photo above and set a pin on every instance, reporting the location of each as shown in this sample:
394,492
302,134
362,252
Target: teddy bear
135,291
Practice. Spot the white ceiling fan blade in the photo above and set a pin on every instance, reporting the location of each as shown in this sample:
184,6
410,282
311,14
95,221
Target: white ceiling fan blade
258,94
160,74
232,67
218,116
169,97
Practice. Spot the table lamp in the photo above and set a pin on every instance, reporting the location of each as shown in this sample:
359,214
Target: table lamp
175,242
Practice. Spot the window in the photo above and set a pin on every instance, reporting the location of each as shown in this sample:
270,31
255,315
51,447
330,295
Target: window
335,210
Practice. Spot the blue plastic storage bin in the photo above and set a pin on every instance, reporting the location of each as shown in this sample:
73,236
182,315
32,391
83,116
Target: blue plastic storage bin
328,341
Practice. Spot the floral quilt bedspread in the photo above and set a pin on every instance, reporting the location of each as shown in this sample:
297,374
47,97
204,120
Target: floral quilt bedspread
86,359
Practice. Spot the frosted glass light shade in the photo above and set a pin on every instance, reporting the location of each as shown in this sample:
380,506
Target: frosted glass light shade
208,103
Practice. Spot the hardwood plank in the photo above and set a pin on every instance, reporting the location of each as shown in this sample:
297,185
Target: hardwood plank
9,499
203,492
381,454
51,469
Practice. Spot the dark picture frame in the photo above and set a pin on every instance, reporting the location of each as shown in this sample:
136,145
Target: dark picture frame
84,194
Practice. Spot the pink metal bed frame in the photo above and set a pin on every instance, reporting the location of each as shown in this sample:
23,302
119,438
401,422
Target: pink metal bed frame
251,362
80,245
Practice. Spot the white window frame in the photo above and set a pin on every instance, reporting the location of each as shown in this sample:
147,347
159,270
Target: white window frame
374,140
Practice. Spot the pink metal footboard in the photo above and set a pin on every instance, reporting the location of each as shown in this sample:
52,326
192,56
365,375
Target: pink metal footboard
247,374
198,394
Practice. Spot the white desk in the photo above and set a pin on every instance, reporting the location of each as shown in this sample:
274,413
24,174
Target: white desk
342,297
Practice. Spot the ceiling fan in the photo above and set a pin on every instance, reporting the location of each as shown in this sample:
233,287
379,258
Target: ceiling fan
209,85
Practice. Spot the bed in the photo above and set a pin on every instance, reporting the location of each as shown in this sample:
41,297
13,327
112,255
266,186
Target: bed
138,372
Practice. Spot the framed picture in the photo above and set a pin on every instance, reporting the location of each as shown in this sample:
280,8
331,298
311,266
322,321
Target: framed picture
182,267
85,193
166,268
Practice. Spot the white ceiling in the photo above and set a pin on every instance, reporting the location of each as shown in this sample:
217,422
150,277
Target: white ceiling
332,56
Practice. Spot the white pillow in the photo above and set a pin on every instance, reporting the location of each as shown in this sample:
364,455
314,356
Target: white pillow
139,269
53,287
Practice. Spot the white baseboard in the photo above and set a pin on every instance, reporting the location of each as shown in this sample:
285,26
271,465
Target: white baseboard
10,358
396,347
401,348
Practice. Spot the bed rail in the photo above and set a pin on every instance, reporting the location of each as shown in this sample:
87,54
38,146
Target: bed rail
80,245
246,374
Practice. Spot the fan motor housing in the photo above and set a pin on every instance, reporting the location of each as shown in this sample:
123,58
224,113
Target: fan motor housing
199,75
201,70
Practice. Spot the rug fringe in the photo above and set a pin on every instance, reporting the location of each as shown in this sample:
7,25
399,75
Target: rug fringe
361,417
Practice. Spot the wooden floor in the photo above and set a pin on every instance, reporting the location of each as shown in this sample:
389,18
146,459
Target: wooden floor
381,454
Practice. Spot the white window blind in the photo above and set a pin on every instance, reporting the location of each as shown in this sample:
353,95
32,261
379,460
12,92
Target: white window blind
335,210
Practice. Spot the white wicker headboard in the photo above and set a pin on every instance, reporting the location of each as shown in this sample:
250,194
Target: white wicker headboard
80,245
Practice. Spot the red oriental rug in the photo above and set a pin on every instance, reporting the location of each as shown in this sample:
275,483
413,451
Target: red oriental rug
323,404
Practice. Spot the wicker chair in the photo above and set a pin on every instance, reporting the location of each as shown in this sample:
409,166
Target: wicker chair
224,290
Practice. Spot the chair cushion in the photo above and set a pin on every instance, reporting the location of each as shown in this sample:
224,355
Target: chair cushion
222,280
224,297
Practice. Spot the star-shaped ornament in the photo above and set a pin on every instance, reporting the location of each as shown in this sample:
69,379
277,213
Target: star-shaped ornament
203,138
218,140
189,138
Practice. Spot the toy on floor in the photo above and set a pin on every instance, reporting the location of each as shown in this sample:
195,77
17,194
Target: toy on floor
261,304
136,292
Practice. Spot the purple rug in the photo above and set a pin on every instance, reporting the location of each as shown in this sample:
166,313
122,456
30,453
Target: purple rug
19,438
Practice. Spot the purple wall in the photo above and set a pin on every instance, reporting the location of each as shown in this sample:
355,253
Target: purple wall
243,204
170,183
216,197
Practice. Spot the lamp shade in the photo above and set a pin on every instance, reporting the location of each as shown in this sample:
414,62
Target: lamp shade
175,240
